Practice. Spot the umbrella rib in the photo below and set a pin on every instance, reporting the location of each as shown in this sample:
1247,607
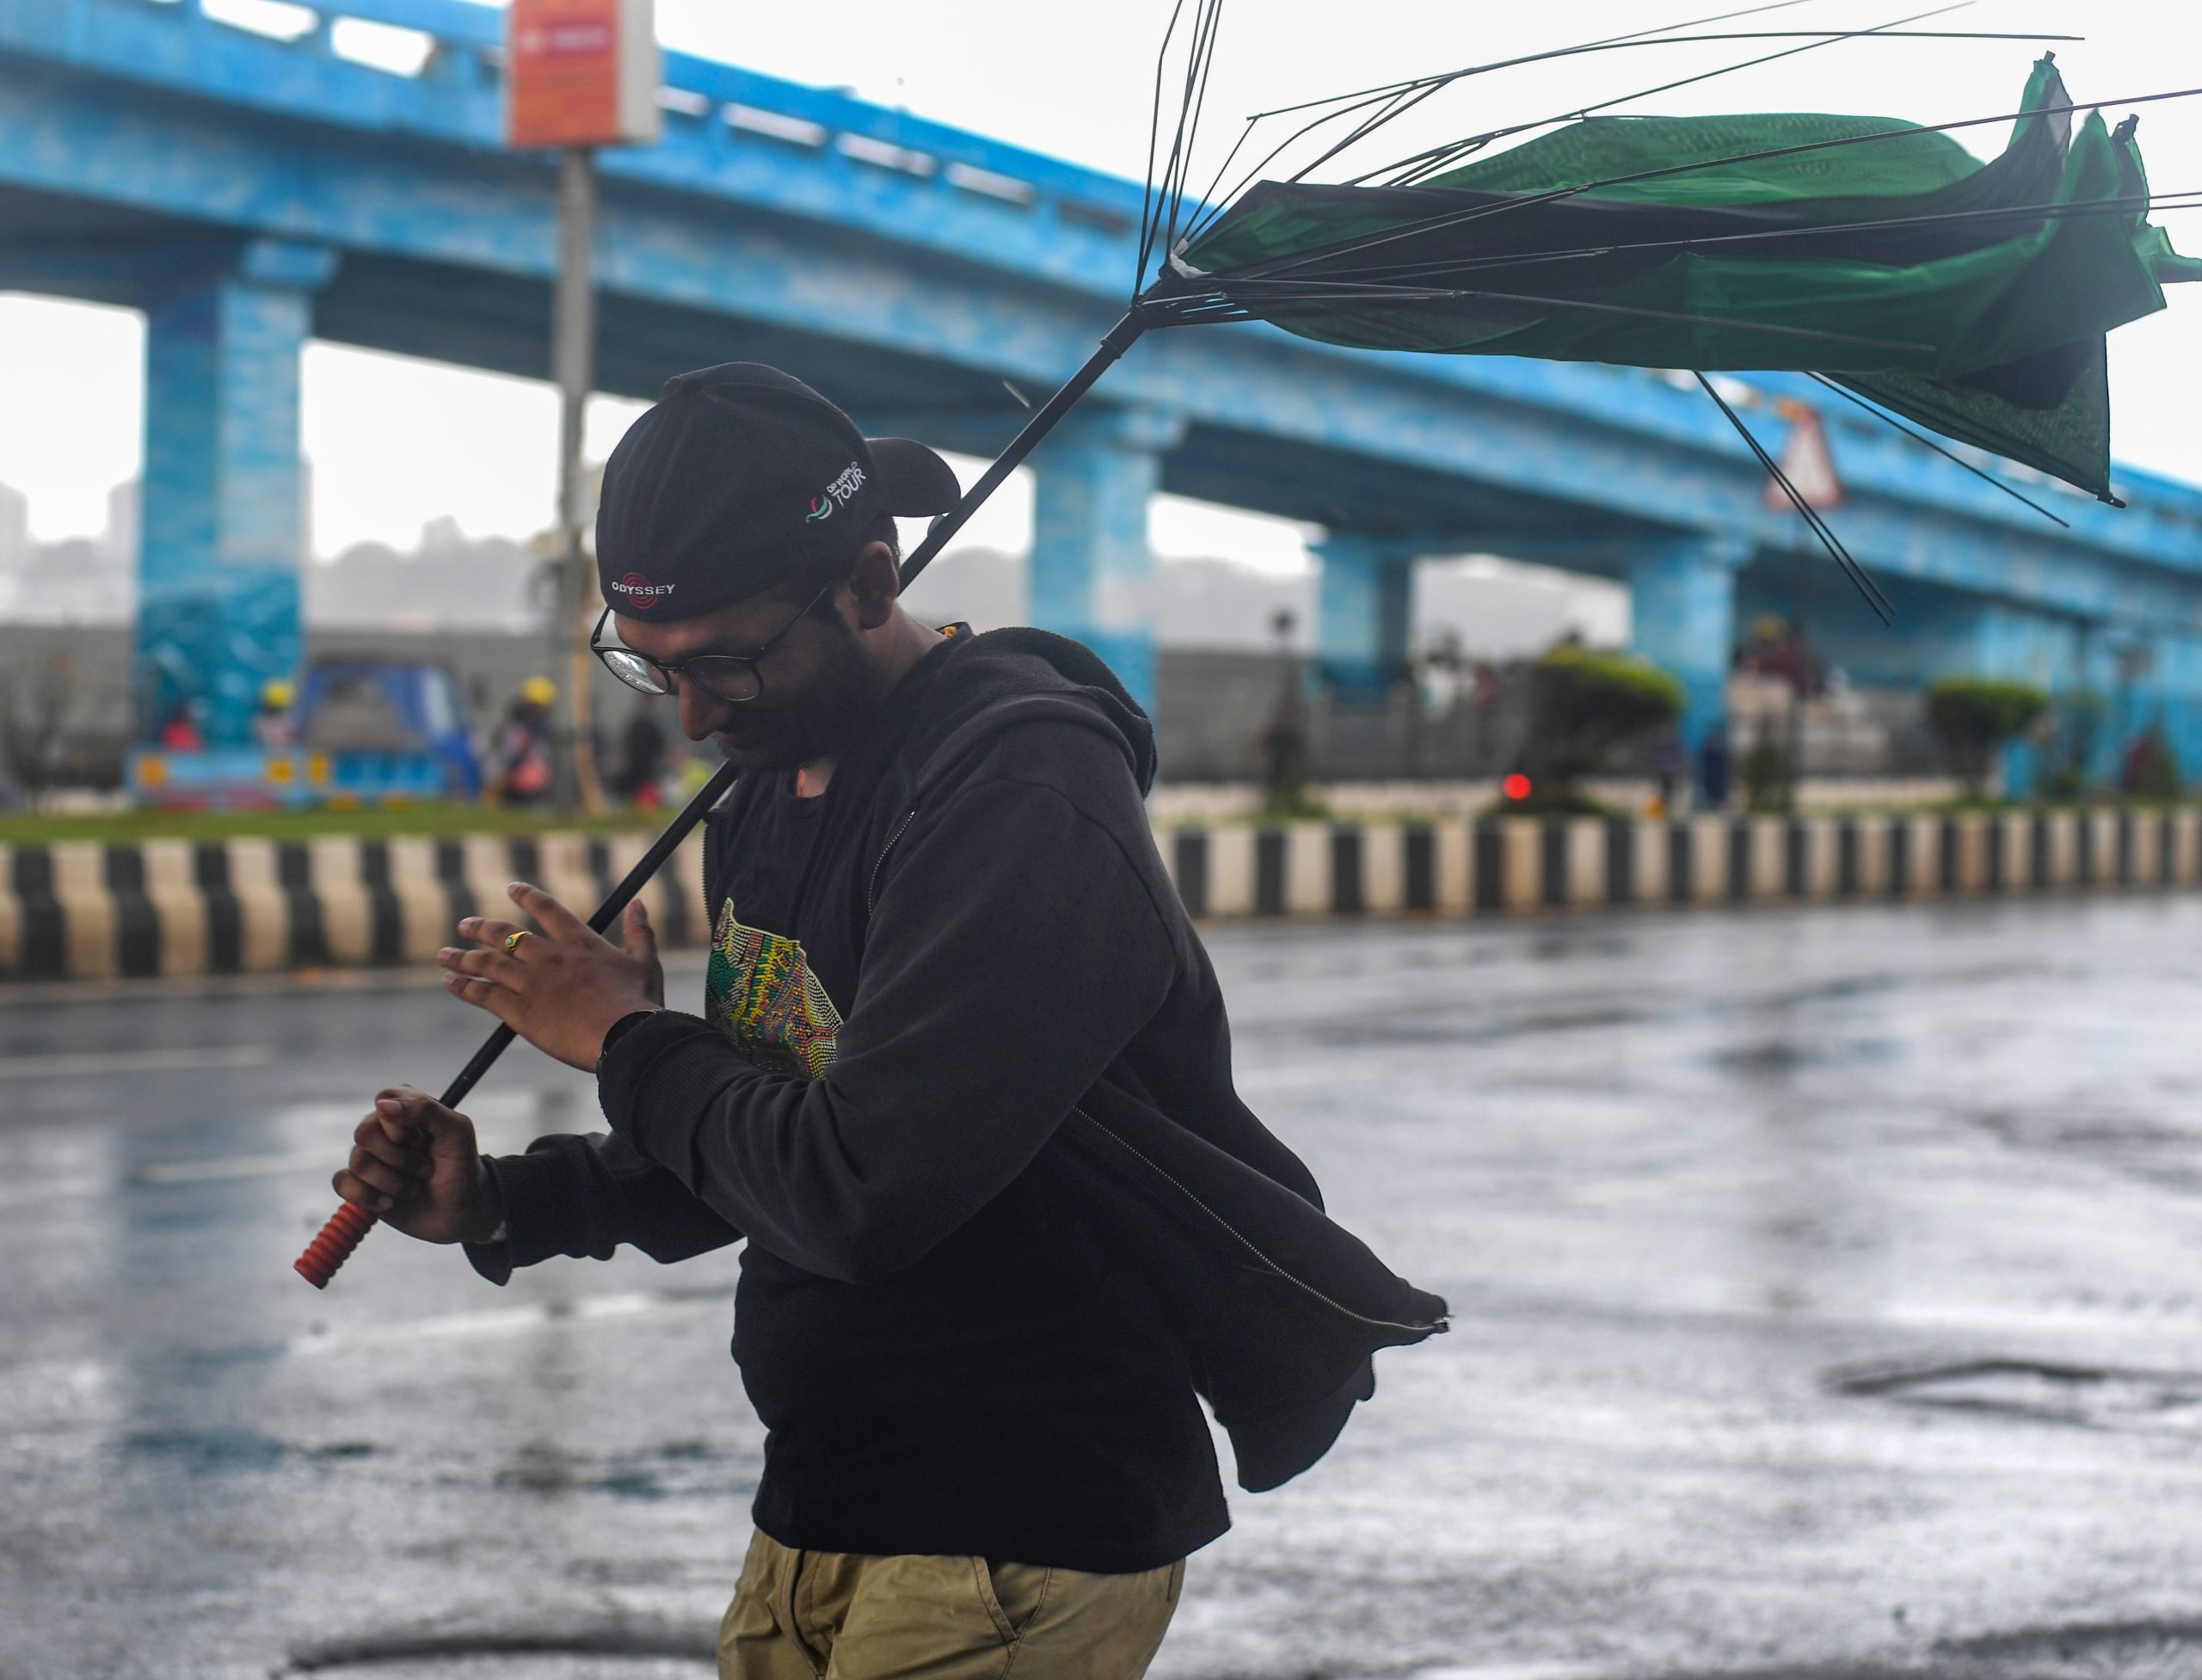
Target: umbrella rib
2048,210
1918,437
1216,207
1348,104
1860,580
1180,138
1634,37
1192,128
1434,224
1398,105
1197,95
1476,142
1236,288
1413,170
1154,144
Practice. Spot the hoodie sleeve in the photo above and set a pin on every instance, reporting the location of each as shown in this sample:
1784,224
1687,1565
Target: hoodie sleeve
583,1196
1015,948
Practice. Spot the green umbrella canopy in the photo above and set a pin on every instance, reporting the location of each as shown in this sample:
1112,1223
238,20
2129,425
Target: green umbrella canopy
1971,298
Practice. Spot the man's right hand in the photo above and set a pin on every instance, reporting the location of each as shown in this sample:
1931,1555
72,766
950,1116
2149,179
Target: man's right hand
415,1165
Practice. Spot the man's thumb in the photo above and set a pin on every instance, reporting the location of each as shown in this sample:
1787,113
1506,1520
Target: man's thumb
640,938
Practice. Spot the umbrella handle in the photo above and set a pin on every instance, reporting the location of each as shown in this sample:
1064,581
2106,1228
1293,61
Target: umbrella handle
326,1254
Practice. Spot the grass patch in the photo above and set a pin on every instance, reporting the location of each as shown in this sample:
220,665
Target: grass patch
383,822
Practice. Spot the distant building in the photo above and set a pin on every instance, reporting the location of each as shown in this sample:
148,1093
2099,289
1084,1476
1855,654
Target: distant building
14,525
120,539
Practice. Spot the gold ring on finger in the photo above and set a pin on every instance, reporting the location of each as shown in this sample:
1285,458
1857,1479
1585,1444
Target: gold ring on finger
512,939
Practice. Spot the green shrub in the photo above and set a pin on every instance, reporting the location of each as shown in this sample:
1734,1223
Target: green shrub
1974,718
1583,705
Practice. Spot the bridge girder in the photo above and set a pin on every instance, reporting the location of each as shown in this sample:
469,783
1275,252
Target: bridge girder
131,134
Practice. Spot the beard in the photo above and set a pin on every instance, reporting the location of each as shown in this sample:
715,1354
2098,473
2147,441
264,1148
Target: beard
822,721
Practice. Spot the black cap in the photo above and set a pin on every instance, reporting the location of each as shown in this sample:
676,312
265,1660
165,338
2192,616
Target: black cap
739,478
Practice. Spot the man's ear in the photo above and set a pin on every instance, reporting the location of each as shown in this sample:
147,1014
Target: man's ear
875,583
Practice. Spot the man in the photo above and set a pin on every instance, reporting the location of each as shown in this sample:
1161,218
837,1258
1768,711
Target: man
962,1081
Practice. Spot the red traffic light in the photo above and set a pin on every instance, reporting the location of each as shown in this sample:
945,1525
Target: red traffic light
1515,787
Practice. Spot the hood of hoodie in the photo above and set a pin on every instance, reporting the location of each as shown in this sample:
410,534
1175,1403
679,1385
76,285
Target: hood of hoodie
978,685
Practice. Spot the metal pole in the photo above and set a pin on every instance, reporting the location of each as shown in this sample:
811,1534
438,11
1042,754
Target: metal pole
573,358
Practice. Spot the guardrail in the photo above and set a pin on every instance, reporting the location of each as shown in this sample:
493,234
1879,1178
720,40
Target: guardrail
84,910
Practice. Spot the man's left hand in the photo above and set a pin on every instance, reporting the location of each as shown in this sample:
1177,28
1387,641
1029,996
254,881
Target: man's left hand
560,988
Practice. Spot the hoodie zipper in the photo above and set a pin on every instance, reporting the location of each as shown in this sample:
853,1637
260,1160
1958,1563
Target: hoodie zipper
872,887
1434,1328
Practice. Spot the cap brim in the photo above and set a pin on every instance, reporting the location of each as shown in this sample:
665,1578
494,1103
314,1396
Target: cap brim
912,481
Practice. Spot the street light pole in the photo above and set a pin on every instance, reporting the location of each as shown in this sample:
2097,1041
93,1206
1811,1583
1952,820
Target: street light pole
573,358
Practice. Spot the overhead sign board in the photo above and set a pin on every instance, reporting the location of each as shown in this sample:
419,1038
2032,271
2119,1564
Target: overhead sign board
581,73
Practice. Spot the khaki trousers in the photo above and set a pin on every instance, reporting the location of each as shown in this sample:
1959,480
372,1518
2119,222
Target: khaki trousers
842,1616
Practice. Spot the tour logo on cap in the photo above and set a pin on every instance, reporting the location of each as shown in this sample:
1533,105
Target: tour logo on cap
640,593
836,494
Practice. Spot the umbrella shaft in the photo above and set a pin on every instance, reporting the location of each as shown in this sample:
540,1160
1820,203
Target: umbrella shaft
1118,340
606,913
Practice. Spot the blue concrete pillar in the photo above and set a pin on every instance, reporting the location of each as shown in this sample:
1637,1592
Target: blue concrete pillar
1364,607
1091,572
2178,680
223,521
1941,633
1681,596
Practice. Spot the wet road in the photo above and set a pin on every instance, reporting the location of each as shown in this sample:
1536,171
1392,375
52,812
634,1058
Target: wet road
1825,1289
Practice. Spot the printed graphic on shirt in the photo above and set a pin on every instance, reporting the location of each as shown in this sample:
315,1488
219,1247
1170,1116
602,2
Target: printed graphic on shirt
762,993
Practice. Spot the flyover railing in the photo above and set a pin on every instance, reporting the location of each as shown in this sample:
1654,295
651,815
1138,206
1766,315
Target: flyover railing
457,40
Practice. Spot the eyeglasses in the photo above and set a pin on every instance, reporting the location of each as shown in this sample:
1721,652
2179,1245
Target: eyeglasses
724,676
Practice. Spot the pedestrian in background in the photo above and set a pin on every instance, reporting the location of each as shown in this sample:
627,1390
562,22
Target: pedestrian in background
273,725
521,769
642,751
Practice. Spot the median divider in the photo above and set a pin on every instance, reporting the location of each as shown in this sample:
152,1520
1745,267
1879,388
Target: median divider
84,909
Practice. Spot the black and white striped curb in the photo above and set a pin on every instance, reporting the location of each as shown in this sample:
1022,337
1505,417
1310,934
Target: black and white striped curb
1520,864
84,910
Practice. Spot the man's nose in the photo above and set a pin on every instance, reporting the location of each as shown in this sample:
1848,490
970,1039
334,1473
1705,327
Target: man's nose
701,713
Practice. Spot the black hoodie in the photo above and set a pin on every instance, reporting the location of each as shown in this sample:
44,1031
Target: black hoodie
964,1084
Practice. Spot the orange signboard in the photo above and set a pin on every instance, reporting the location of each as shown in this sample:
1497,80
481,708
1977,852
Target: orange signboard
579,73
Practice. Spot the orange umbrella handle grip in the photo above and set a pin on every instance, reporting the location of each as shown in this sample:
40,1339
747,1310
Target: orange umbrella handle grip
326,1254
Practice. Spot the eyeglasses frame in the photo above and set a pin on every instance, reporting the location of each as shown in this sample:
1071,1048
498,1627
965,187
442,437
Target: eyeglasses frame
673,669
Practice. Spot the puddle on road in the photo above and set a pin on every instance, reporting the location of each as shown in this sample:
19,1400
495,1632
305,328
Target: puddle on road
218,1451
2150,1147
676,1469
2154,1649
446,1650
2089,1397
2140,1650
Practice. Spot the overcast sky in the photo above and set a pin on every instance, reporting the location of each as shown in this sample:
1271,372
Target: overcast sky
395,442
